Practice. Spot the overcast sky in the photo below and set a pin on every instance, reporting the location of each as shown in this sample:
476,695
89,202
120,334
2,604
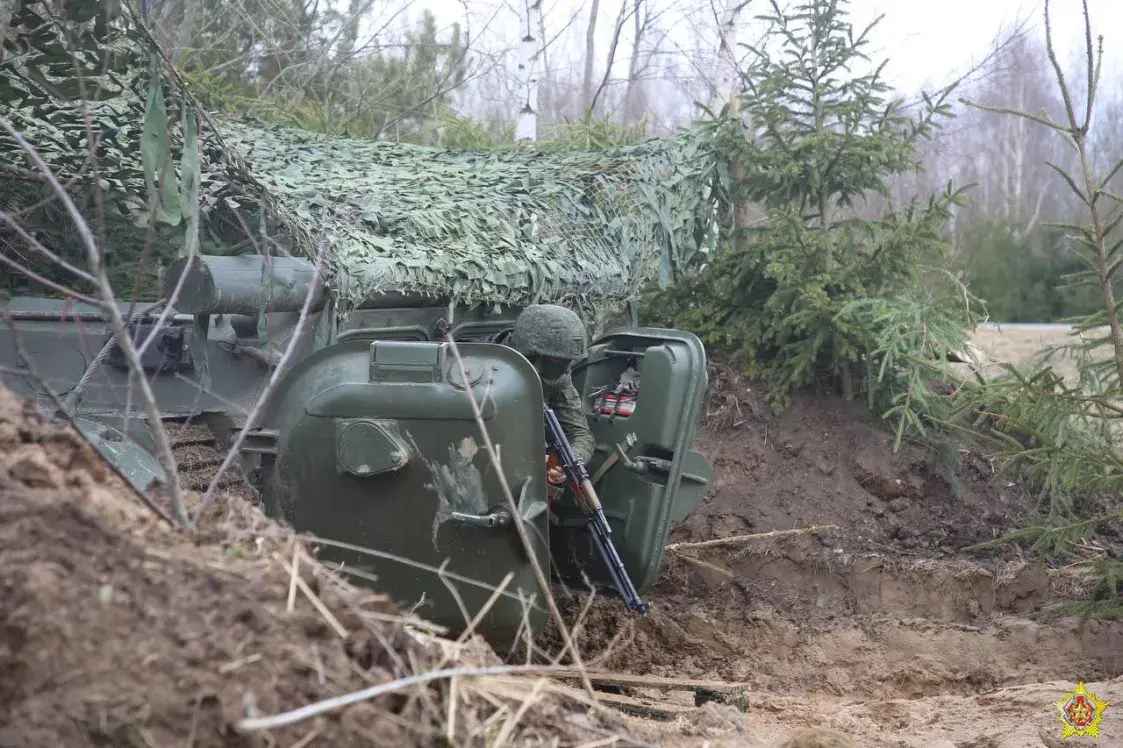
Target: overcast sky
928,41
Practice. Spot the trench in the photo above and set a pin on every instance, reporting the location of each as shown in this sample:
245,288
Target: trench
891,647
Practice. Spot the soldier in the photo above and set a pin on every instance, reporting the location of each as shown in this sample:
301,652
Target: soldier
552,338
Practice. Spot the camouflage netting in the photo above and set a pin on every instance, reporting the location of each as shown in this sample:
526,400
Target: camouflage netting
511,227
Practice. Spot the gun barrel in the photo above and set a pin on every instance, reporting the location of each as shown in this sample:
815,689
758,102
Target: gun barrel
615,566
243,284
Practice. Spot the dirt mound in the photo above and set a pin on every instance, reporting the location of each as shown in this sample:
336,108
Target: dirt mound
826,460
116,630
850,629
881,629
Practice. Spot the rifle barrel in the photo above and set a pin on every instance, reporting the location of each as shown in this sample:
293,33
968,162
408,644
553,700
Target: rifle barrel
587,500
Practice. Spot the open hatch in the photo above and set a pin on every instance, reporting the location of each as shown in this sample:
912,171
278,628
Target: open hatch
642,390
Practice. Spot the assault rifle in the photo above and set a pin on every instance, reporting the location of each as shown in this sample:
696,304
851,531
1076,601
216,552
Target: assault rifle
578,479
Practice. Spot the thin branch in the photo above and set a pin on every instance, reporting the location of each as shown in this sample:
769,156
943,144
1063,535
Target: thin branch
61,410
338,702
38,247
117,324
517,520
738,539
48,283
1041,120
255,412
316,540
72,398
621,19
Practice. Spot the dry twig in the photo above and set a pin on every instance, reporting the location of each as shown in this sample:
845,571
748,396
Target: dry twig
120,329
690,559
313,598
339,702
516,519
738,539
255,412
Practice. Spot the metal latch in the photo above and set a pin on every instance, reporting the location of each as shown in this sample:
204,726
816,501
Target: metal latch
645,465
500,518
169,351
619,451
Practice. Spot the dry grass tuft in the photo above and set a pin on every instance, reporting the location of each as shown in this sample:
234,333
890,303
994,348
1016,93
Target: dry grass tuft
117,628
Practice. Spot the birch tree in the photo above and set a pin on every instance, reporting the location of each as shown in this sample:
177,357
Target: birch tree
729,74
590,56
529,52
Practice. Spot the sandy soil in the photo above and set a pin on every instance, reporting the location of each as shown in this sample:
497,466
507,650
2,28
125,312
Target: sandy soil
884,630
1023,345
115,631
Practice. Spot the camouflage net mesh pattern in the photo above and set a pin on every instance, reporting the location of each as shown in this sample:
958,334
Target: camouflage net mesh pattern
518,226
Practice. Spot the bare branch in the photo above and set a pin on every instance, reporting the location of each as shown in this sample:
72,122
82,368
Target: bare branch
255,411
590,57
61,409
47,282
74,396
516,519
621,18
1039,119
117,324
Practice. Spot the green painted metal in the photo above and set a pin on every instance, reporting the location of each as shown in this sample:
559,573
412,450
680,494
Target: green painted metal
131,451
369,438
242,284
377,446
697,478
640,493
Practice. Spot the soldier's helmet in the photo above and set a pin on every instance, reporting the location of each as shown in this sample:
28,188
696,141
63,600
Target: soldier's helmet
551,337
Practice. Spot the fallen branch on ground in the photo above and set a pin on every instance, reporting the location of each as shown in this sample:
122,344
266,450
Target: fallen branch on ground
737,539
629,680
338,702
651,709
704,564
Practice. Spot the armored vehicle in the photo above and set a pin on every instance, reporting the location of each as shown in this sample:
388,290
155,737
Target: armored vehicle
369,437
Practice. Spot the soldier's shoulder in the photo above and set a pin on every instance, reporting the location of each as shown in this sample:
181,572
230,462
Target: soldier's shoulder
562,388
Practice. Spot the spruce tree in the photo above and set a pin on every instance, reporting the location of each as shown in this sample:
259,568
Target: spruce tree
818,135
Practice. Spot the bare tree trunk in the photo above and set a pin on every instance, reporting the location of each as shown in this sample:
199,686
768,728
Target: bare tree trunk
632,93
590,52
5,18
527,126
729,74
729,89
547,90
621,18
350,33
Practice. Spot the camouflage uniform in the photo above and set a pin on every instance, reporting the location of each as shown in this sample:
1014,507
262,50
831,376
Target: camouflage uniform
565,401
552,337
